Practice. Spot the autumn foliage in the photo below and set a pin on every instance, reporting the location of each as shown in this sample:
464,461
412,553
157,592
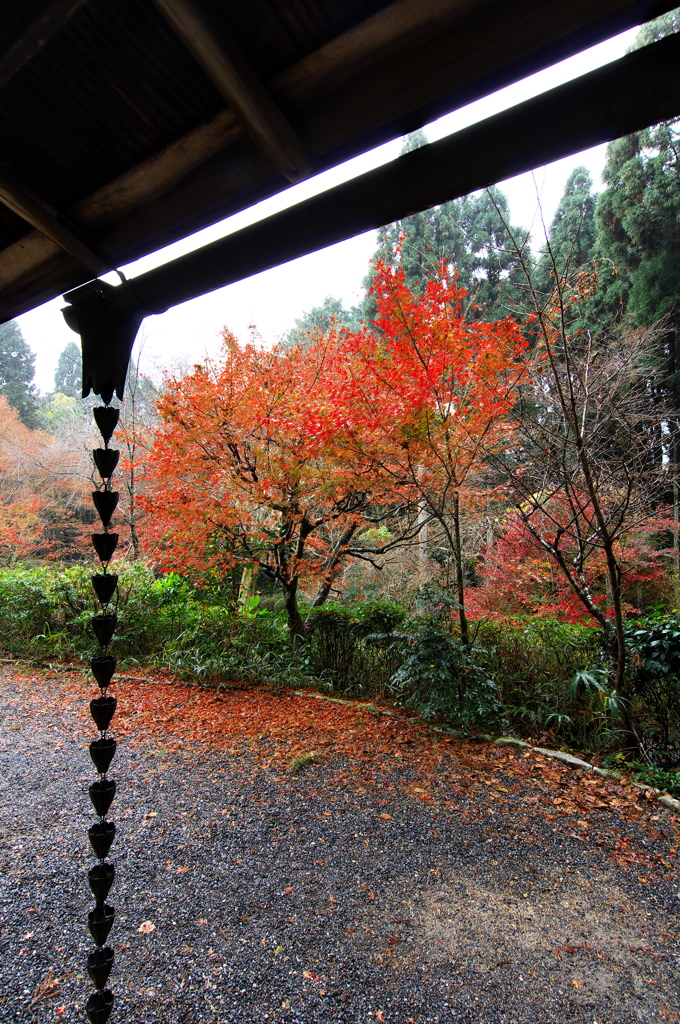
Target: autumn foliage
288,459
518,577
39,495
432,396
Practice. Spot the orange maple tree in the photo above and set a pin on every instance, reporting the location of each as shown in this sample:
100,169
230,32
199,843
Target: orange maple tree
429,395
286,458
40,499
248,472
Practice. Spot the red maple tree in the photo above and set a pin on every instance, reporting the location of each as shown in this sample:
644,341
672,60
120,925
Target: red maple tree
429,395
248,471
284,458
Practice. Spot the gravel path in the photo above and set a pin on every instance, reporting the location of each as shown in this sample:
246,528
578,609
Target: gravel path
398,879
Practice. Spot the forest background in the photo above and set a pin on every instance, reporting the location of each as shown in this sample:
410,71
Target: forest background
461,494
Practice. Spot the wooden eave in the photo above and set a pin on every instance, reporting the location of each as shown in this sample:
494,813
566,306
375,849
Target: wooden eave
202,109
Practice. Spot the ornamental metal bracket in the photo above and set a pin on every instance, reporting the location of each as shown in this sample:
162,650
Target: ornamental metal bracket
107,335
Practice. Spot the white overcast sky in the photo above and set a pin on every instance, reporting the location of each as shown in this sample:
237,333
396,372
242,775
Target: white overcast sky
270,302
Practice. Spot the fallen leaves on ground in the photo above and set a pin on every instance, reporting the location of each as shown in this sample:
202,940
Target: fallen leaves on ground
47,989
274,730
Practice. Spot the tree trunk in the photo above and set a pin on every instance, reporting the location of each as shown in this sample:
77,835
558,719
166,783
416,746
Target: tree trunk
132,509
423,549
245,590
332,566
296,626
460,575
134,541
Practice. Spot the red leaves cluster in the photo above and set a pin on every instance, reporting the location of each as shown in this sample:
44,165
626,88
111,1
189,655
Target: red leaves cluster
519,577
280,457
428,395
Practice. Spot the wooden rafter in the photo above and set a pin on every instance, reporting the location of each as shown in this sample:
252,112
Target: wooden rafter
46,25
380,37
22,201
262,119
639,89
345,97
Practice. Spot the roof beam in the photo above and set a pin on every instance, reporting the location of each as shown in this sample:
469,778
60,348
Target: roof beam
627,95
46,25
23,202
262,119
193,182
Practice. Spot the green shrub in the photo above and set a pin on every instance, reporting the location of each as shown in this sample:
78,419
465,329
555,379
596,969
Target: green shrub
548,675
26,608
356,648
222,645
441,679
46,612
654,666
658,778
538,676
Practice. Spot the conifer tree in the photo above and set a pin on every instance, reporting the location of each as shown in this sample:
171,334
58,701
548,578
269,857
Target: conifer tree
69,371
331,313
572,232
638,235
17,370
470,235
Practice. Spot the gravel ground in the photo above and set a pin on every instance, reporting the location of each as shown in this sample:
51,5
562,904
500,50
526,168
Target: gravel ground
357,890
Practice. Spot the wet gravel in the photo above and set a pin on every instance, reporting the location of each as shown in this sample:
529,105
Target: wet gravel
319,896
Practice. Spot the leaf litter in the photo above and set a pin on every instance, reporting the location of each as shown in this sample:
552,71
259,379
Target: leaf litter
495,865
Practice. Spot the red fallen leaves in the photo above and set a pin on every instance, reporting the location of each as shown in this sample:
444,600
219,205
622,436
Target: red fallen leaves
268,730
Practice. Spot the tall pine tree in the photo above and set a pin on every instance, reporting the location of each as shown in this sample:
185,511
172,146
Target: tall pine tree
69,372
17,370
331,313
469,234
638,216
571,236
638,232
570,253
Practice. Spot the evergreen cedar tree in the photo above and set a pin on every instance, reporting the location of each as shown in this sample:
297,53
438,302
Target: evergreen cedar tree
471,233
68,376
286,458
17,370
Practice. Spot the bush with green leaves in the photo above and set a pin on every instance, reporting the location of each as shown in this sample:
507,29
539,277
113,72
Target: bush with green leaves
550,680
442,679
537,676
220,645
45,613
654,659
665,779
356,648
26,608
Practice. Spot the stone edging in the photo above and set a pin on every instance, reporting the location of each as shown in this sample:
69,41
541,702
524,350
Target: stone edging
576,762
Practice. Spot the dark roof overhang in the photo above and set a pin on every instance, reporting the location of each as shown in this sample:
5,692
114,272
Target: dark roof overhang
128,124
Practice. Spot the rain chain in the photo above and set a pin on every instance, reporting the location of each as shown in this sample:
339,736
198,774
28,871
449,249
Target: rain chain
102,709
